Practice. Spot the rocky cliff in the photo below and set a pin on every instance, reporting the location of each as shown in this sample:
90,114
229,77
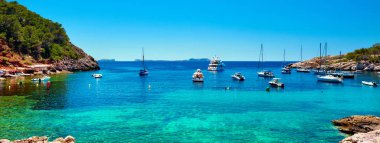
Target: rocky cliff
35,139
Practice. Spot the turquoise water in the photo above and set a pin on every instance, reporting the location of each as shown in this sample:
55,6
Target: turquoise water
122,108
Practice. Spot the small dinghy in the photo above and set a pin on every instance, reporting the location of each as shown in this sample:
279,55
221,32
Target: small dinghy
198,76
238,76
369,83
97,75
275,82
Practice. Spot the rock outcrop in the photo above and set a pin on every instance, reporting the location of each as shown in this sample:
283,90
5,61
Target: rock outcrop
370,137
365,129
35,139
85,63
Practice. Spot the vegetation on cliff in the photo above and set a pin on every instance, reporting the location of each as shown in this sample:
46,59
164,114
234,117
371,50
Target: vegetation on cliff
371,54
28,34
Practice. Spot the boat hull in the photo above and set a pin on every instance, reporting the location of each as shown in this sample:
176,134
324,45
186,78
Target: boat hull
198,80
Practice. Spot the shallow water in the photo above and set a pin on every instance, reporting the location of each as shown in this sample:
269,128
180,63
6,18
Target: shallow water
121,107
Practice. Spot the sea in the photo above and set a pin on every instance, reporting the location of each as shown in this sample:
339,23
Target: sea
166,106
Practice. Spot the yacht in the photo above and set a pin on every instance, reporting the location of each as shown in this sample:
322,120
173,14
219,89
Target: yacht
143,71
97,75
238,76
275,82
286,69
330,78
198,76
304,70
369,83
216,64
265,73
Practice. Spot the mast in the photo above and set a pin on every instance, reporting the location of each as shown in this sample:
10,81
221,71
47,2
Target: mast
340,62
260,56
301,54
143,58
325,53
320,56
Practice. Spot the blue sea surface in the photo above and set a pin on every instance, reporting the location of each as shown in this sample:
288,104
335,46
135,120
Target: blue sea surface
167,106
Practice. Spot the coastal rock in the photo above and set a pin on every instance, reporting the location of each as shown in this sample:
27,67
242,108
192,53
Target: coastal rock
44,139
85,63
357,124
370,137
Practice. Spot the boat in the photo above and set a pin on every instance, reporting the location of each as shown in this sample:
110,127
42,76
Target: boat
369,83
144,71
275,82
44,78
285,69
302,69
320,71
215,64
330,79
263,73
348,75
97,75
22,74
238,76
198,76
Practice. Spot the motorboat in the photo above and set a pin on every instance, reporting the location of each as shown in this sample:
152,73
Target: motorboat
286,70
304,70
275,82
215,64
198,76
44,78
97,75
265,73
144,71
319,72
330,79
238,76
348,75
369,83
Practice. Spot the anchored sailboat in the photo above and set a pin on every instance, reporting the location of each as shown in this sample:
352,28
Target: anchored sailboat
263,73
302,69
143,71
286,69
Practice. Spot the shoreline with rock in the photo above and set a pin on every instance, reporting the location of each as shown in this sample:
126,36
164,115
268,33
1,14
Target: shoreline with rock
364,129
43,139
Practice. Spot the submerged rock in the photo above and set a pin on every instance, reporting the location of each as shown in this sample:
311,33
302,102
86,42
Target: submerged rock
358,124
44,139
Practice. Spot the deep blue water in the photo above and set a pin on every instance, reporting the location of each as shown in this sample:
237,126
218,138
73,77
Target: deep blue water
167,106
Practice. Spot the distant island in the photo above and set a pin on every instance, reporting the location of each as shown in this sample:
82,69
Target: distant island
367,59
27,39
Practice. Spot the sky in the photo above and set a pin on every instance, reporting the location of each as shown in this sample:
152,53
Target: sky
230,29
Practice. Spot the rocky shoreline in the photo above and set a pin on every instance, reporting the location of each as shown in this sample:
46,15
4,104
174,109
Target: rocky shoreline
364,129
333,62
43,139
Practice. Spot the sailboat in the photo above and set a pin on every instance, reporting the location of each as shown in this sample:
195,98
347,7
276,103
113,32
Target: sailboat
320,71
285,69
263,73
143,71
302,69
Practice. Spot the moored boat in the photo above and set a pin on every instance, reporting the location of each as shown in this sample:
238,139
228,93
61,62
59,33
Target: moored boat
97,75
348,75
198,76
369,83
303,70
216,64
330,79
286,70
265,73
144,71
275,82
238,76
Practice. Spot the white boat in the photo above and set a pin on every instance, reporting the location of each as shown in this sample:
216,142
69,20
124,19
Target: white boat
265,73
286,70
22,74
44,78
319,72
198,76
304,70
215,64
275,82
348,75
97,75
238,76
369,83
330,78
144,71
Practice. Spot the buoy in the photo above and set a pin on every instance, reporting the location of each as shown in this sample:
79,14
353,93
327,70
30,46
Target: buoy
149,86
267,89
